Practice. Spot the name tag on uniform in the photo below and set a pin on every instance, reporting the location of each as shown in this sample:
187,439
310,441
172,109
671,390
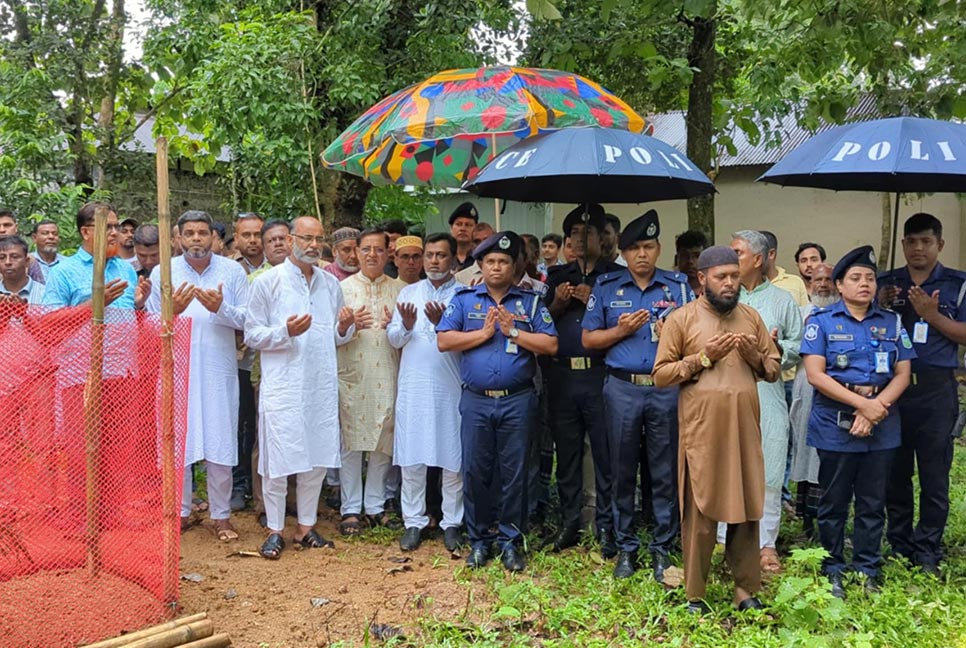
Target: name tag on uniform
511,346
920,331
881,362
654,336
840,337
621,304
472,315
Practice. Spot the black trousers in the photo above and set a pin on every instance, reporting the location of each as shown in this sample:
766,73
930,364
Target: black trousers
928,411
846,477
576,410
241,474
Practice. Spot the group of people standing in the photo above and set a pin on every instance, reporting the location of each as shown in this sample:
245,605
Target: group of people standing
677,388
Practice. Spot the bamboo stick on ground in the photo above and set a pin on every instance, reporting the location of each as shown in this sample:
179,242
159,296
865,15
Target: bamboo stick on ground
176,636
214,641
124,640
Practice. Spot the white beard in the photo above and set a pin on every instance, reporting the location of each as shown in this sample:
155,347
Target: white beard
824,302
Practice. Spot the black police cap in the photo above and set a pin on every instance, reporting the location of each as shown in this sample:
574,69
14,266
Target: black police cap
466,210
507,242
861,256
590,213
642,228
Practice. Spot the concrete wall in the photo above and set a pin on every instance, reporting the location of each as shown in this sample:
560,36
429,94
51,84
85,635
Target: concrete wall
839,221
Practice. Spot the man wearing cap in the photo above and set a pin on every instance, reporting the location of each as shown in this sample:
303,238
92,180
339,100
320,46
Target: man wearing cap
344,247
717,349
931,299
461,223
858,357
409,258
499,328
576,380
624,315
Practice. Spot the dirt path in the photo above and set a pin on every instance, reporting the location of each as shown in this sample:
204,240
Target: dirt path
268,604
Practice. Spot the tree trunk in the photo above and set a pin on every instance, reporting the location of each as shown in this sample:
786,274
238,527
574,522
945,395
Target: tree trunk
343,198
105,117
885,243
701,58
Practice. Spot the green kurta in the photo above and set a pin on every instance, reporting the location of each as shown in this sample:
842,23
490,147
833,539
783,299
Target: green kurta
778,310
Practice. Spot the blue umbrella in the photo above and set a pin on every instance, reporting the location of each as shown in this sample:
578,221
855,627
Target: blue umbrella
584,165
898,154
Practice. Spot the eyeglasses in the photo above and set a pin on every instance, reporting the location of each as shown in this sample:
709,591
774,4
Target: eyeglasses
372,250
305,238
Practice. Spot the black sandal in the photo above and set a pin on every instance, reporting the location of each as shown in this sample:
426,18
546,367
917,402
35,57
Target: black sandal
383,520
349,526
272,547
312,540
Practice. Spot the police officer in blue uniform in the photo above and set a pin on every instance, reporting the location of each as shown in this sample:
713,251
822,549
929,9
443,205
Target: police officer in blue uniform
930,299
576,380
624,315
857,356
499,328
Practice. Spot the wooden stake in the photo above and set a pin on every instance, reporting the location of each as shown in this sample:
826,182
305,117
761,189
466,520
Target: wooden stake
176,636
214,641
124,640
92,395
171,528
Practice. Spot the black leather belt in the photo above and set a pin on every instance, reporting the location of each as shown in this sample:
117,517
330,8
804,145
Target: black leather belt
932,376
863,390
642,380
499,393
578,364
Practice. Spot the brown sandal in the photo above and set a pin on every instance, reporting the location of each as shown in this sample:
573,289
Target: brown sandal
223,530
770,564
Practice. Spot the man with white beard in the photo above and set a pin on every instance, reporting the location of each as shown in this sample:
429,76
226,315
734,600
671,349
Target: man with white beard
344,248
296,317
427,425
212,292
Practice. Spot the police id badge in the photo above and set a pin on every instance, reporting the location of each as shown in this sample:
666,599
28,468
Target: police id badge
511,346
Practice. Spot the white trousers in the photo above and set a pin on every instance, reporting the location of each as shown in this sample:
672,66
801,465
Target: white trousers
308,488
413,498
350,478
219,491
771,517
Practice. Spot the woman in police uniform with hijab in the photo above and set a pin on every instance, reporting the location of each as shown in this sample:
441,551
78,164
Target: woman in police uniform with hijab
857,356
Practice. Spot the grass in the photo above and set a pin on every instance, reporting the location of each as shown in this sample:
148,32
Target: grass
572,600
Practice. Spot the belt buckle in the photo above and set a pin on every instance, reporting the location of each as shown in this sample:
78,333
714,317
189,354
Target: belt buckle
495,393
578,364
642,380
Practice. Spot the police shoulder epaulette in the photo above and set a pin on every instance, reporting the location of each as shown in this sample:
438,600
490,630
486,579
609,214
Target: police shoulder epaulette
463,289
608,276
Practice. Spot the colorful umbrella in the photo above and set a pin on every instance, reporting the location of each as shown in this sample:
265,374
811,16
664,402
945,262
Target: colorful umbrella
442,131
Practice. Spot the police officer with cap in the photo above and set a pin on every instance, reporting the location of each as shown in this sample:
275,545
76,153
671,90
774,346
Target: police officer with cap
576,380
624,316
461,223
857,356
499,328
930,299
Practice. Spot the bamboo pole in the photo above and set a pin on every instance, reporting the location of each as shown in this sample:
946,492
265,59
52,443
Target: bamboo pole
124,640
214,641
171,528
176,636
93,393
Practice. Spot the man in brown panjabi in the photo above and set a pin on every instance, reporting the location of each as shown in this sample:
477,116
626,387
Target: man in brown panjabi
717,349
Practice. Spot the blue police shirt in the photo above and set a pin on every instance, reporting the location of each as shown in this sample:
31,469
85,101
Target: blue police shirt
938,351
616,293
850,348
491,365
70,282
568,323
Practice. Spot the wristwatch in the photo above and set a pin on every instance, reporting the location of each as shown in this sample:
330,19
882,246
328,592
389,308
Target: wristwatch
705,360
514,333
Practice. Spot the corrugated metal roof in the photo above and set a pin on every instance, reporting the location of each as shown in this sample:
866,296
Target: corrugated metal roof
143,140
670,127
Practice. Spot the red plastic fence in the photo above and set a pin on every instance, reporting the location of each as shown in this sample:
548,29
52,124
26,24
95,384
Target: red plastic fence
87,546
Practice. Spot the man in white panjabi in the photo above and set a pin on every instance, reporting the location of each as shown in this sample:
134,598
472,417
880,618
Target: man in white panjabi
212,291
427,430
368,365
296,317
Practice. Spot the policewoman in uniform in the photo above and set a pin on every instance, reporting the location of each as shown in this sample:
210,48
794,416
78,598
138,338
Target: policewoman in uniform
499,328
624,315
576,380
857,356
930,299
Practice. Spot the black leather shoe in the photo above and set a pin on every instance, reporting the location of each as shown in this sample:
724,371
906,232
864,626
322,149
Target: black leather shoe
608,544
698,607
513,559
410,539
478,558
568,537
625,565
931,569
838,589
871,584
751,603
661,562
453,539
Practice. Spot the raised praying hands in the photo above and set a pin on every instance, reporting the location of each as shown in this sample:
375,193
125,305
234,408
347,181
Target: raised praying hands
347,318
298,324
434,311
408,313
211,299
114,289
141,292
182,297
